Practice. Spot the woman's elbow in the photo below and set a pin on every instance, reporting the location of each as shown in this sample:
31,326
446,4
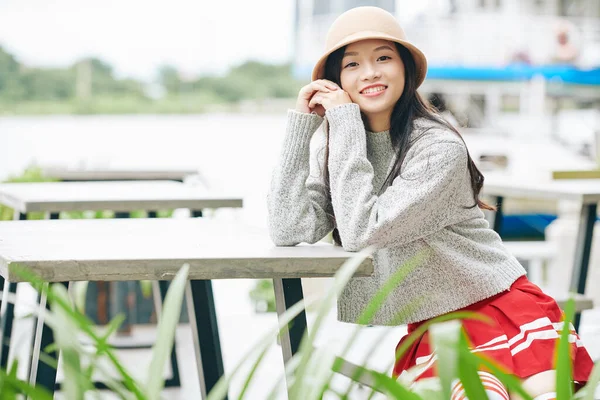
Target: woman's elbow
352,244
282,237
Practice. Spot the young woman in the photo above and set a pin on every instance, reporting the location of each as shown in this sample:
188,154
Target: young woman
388,172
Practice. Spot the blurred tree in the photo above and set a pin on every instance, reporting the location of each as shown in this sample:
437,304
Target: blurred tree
46,84
9,68
168,77
90,86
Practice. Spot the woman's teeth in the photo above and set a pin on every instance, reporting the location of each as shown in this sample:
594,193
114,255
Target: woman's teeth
374,89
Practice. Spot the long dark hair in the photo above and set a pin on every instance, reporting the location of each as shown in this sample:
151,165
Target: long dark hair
408,108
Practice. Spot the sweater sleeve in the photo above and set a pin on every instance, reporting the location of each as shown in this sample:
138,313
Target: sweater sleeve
299,206
419,202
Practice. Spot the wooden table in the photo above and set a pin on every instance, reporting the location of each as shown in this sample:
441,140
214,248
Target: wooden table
108,174
586,191
121,197
135,249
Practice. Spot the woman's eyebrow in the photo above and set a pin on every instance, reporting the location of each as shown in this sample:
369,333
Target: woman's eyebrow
354,53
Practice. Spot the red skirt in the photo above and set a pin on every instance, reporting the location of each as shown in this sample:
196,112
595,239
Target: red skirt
523,337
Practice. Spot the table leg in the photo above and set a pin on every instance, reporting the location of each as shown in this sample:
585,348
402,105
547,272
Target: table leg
40,373
196,213
7,316
583,249
7,310
121,296
203,319
496,223
287,293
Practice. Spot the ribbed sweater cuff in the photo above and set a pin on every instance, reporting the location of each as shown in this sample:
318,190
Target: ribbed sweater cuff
300,128
346,127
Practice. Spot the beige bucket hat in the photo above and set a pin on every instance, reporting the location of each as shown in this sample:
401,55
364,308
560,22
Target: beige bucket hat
367,23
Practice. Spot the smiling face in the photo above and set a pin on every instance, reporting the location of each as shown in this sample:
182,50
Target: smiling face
372,73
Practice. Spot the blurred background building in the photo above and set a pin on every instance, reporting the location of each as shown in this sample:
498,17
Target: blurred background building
470,32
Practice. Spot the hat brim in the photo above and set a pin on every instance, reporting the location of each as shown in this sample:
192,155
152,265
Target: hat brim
418,56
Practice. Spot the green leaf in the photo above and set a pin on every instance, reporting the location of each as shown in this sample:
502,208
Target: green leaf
146,287
421,329
468,371
385,383
11,385
564,368
166,333
65,336
445,338
300,388
252,372
382,382
587,393
219,391
83,323
508,380
79,295
392,283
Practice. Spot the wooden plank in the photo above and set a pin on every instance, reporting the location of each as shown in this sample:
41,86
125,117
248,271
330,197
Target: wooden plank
584,174
582,302
115,196
531,250
585,190
155,249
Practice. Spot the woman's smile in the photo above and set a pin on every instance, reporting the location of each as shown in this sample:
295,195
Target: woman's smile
373,90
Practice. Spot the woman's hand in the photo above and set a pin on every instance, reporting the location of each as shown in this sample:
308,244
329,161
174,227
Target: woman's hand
329,99
307,93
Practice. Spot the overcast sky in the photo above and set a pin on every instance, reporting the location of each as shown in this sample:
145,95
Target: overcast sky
136,36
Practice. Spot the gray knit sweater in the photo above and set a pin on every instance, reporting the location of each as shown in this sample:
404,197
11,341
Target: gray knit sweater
423,214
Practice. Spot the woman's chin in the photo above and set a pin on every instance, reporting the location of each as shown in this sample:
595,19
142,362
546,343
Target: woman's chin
372,109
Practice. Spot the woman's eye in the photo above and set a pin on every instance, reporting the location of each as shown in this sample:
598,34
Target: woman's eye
385,57
350,64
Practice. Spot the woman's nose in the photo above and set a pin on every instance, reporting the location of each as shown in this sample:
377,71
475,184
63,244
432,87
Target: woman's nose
371,72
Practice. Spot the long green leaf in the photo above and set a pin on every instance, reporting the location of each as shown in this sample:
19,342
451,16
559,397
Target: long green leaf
392,283
83,323
588,392
468,371
300,389
219,391
166,333
421,329
564,369
252,372
400,316
390,386
374,305
79,295
445,338
509,381
11,383
382,382
65,336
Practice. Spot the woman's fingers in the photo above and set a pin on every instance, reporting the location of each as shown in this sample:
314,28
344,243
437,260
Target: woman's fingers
320,85
317,87
316,99
328,84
